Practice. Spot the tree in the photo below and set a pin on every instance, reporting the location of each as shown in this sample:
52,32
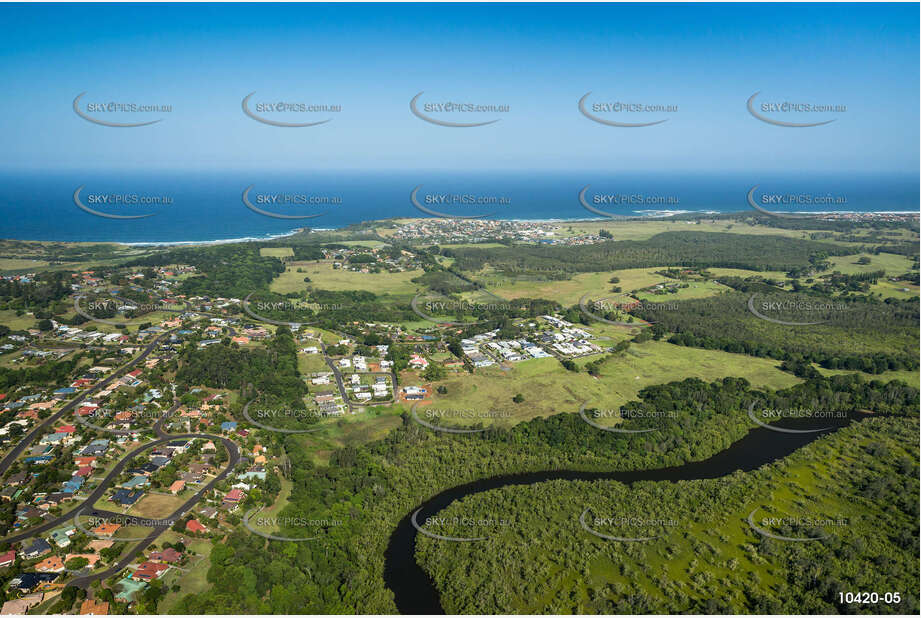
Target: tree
518,398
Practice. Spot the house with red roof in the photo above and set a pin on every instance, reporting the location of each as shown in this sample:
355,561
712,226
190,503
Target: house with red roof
8,558
193,525
149,571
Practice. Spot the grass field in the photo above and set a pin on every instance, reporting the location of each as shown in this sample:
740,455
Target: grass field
278,252
569,291
9,318
324,277
311,363
549,389
695,289
156,505
20,264
891,263
351,429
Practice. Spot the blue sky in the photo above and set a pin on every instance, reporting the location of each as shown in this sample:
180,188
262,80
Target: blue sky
537,59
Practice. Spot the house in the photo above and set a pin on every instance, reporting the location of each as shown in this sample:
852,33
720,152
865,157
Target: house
136,481
167,556
8,558
92,607
106,529
51,564
177,486
228,426
96,447
21,605
126,497
38,548
193,525
149,571
26,582
233,498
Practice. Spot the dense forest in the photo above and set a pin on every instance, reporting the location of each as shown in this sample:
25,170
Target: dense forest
370,488
857,333
727,250
860,482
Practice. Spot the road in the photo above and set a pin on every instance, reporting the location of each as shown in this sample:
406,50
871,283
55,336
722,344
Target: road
41,428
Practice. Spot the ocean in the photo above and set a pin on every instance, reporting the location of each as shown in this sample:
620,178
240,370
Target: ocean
209,207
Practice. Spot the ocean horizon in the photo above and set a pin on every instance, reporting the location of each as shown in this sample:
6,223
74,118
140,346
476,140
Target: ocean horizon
193,208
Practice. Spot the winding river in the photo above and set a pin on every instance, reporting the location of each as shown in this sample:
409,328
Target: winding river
415,593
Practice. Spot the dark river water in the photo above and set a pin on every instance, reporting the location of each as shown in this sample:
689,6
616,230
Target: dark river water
414,591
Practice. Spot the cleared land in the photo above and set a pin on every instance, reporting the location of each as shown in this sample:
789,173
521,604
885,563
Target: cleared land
324,277
548,388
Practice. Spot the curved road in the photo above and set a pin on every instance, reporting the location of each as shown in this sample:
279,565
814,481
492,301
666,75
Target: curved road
40,429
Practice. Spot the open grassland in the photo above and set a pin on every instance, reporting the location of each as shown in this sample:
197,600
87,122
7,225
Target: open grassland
324,277
371,424
695,289
549,389
9,318
567,292
895,289
889,262
21,264
278,252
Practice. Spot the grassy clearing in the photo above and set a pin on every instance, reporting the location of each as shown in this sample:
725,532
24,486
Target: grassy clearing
278,252
891,263
311,363
695,289
324,277
9,318
351,429
549,389
20,264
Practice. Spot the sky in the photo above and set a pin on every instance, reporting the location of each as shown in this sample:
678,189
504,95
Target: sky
538,59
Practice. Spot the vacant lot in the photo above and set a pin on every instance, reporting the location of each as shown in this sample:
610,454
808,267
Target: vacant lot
156,505
549,389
